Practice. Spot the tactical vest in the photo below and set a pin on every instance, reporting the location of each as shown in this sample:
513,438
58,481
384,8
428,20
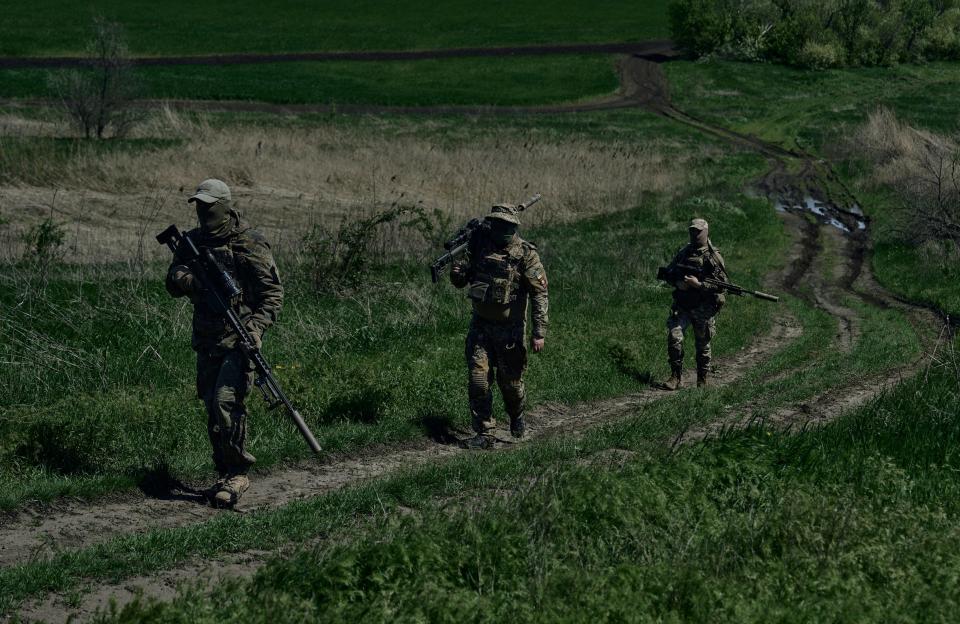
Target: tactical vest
206,321
707,262
496,275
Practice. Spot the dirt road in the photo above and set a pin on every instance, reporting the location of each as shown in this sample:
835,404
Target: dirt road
44,531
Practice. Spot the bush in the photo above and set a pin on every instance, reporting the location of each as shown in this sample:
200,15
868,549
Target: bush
342,258
819,33
820,55
98,99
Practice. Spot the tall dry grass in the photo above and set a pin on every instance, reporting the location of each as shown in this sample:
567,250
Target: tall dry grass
922,168
286,178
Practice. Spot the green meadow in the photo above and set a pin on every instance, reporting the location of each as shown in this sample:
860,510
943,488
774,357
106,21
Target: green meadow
853,518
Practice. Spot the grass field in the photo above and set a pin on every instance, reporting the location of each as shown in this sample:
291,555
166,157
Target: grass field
854,520
821,112
479,81
330,351
180,28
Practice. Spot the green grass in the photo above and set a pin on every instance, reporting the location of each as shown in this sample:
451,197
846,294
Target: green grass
480,81
815,111
466,479
100,387
855,522
180,27
810,109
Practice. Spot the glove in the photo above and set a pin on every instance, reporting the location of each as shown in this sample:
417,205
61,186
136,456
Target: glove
257,339
184,279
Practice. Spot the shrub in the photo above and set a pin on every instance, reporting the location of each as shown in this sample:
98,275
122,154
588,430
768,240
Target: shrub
342,258
820,55
98,98
819,33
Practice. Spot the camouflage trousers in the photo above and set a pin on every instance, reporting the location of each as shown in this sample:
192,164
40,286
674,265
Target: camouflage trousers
224,380
498,352
703,320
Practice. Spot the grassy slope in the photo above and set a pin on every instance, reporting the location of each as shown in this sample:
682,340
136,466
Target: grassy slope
676,502
851,523
371,368
813,111
855,521
479,81
184,27
825,525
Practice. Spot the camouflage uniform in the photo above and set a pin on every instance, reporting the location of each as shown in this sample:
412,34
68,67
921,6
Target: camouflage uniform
499,281
224,372
696,307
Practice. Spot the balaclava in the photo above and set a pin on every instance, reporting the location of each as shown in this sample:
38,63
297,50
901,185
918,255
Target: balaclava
699,233
216,219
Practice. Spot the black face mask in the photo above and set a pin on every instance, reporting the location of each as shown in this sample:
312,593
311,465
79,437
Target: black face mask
698,238
214,218
502,233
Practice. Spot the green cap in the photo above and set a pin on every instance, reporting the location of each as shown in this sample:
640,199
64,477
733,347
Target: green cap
505,212
211,191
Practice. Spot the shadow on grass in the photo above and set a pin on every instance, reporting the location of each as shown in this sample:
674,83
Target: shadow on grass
367,405
439,427
626,362
159,483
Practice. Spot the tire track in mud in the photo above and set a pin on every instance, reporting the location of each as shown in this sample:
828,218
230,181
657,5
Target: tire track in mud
642,85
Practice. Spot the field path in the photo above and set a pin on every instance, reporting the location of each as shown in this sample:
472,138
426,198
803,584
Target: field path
812,275
655,50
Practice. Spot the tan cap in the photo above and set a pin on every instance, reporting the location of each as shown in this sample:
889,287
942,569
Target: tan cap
699,224
211,191
505,212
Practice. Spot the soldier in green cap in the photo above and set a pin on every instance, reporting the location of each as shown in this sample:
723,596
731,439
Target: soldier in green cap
695,303
501,272
224,371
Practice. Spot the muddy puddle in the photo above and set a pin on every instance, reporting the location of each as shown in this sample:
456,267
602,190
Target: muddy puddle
844,219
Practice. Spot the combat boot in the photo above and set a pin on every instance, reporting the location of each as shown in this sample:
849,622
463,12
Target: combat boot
675,380
231,491
702,378
517,426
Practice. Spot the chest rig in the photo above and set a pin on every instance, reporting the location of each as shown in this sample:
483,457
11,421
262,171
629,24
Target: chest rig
700,258
496,275
225,275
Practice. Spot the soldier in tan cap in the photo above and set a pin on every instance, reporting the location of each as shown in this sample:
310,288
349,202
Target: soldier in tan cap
224,372
695,303
502,272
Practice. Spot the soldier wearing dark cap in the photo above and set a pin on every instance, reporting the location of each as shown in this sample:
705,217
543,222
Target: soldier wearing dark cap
501,272
224,372
695,304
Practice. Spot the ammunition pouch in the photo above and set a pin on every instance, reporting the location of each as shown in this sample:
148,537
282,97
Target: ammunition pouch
493,290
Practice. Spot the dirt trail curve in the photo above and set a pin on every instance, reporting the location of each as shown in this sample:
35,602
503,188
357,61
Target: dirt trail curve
40,533
656,50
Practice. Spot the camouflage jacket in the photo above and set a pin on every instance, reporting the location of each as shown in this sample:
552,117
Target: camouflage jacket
246,255
501,281
709,260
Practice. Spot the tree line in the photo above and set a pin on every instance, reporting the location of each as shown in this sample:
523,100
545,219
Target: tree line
819,33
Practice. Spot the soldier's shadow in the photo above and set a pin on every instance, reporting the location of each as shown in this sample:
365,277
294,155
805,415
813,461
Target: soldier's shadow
159,483
626,363
439,427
